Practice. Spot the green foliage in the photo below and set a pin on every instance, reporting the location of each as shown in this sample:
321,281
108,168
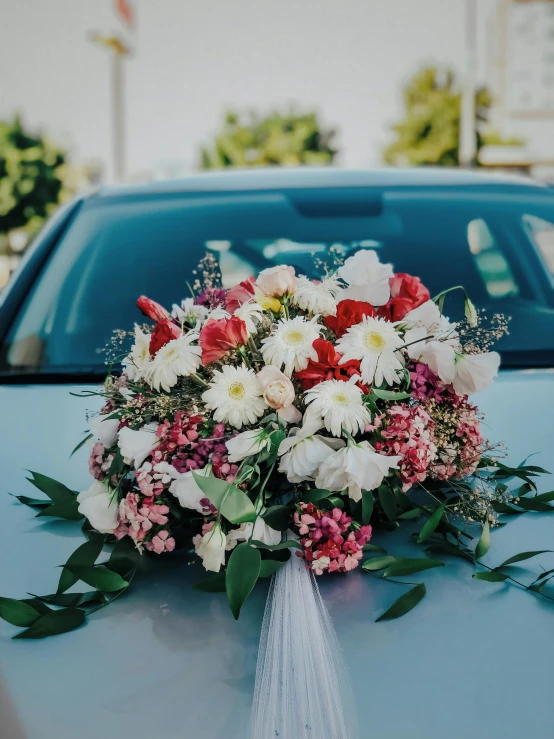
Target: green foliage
430,130
288,139
32,173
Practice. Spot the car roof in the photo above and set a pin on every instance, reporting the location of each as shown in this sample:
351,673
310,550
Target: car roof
285,178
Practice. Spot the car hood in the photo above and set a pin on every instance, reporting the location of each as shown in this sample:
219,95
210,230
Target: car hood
166,659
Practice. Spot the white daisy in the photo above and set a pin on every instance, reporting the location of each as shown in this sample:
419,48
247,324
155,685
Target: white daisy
235,396
374,342
178,358
340,405
291,344
137,362
189,313
316,298
251,313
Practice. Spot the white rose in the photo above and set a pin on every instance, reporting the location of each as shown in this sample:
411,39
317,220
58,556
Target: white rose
475,372
278,393
99,504
135,446
248,443
303,452
105,430
185,488
358,467
211,549
262,533
367,278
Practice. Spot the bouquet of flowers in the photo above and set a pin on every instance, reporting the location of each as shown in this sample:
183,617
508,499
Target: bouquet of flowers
284,416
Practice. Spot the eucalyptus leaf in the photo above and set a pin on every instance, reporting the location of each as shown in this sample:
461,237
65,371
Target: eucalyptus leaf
17,612
522,557
431,524
314,495
54,622
212,583
56,491
81,444
243,570
269,567
412,513
367,506
534,504
85,555
388,502
229,500
483,545
408,566
490,576
100,577
379,563
68,509
405,603
33,502
373,548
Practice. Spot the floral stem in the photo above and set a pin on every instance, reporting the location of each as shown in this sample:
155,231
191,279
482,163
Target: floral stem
198,380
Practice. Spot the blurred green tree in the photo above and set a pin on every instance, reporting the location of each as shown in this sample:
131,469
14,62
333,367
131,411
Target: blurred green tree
430,131
32,172
287,139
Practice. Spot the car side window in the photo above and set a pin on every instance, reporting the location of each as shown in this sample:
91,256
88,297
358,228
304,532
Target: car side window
491,262
541,233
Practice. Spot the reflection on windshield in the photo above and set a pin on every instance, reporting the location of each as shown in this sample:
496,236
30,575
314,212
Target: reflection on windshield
113,253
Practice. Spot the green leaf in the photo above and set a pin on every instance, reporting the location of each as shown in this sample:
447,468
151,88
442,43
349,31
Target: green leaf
229,500
55,490
432,522
74,599
17,612
69,510
378,563
243,570
80,444
336,502
124,557
405,603
100,578
545,497
373,548
390,394
55,622
37,604
367,506
386,496
523,556
408,566
85,555
32,502
534,504
470,312
275,547
484,542
412,513
269,567
314,495
490,576
277,517
212,583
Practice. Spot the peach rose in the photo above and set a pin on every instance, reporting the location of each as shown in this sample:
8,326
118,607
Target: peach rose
278,392
277,281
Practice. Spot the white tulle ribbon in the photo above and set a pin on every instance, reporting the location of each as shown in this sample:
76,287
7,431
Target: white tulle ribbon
303,689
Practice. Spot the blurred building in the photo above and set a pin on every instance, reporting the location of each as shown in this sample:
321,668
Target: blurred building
521,75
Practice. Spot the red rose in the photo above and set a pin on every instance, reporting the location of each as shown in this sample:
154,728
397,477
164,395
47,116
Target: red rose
239,294
219,336
349,313
407,292
164,332
151,309
327,367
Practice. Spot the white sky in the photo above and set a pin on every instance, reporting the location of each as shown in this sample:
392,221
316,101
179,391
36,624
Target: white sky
194,58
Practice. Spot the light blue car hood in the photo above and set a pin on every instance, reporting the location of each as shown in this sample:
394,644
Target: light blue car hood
472,659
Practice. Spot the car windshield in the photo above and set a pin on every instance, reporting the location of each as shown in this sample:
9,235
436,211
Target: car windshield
500,247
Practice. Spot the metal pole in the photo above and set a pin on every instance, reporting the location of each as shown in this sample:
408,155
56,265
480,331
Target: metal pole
118,113
468,138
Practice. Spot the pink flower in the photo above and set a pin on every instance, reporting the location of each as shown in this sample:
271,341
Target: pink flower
218,337
151,309
277,281
240,294
278,392
162,542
